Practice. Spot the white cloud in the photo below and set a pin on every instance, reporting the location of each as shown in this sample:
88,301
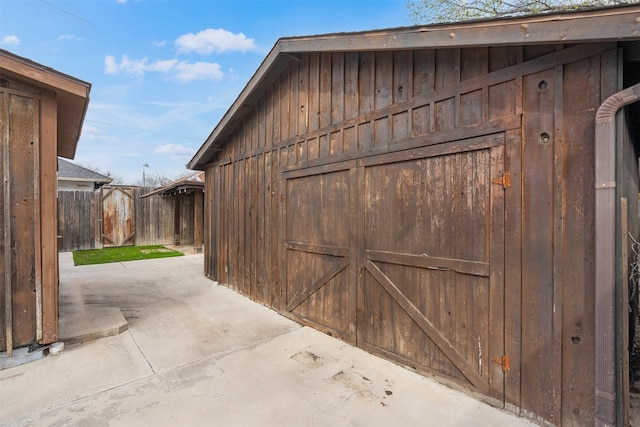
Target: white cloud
198,71
121,1
175,152
182,71
110,65
68,37
133,67
173,149
214,40
160,44
10,40
163,66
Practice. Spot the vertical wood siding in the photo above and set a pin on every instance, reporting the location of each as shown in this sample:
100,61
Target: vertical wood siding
21,266
80,219
352,166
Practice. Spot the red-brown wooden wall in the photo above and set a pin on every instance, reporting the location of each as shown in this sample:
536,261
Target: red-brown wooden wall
295,211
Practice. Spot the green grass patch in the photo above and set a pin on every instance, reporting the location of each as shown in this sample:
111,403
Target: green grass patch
125,253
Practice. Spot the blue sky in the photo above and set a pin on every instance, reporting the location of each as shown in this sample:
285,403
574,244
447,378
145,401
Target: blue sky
164,72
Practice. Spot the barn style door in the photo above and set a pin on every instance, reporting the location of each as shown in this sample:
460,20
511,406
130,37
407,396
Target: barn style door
431,289
118,216
403,254
320,251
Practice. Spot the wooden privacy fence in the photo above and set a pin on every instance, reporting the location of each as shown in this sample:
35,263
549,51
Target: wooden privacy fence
117,216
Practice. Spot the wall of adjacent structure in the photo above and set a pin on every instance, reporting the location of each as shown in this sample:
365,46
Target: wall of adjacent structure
28,250
329,113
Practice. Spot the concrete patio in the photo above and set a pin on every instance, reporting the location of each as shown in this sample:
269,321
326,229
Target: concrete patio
156,343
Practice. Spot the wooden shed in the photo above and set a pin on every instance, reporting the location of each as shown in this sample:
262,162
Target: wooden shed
41,115
186,195
456,198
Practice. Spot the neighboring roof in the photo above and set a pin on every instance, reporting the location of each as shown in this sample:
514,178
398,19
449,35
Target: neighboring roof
72,96
186,184
604,24
71,171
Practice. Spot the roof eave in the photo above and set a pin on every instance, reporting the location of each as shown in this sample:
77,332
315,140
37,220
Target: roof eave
72,96
71,179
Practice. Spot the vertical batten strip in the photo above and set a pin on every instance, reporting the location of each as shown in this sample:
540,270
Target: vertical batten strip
8,315
37,215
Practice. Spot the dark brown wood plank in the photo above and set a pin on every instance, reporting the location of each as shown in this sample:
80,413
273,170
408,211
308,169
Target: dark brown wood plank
440,149
251,232
473,62
336,144
351,79
261,125
210,222
366,82
337,87
279,265
558,217
447,72
537,381
471,108
496,281
252,131
293,99
302,106
428,327
383,96
317,249
492,127
285,105
176,220
423,72
351,107
513,263
314,91
536,51
269,117
324,111
313,149
261,252
402,75
330,274
432,263
23,114
268,229
503,57
239,274
48,163
6,334
581,93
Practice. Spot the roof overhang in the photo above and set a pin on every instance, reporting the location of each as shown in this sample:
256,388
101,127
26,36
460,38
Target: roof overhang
72,96
595,25
185,185
180,189
71,179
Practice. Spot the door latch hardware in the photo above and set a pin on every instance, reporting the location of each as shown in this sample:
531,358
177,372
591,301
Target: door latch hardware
503,361
504,180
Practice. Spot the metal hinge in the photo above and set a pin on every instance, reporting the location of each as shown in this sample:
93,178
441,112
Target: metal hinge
504,180
503,361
